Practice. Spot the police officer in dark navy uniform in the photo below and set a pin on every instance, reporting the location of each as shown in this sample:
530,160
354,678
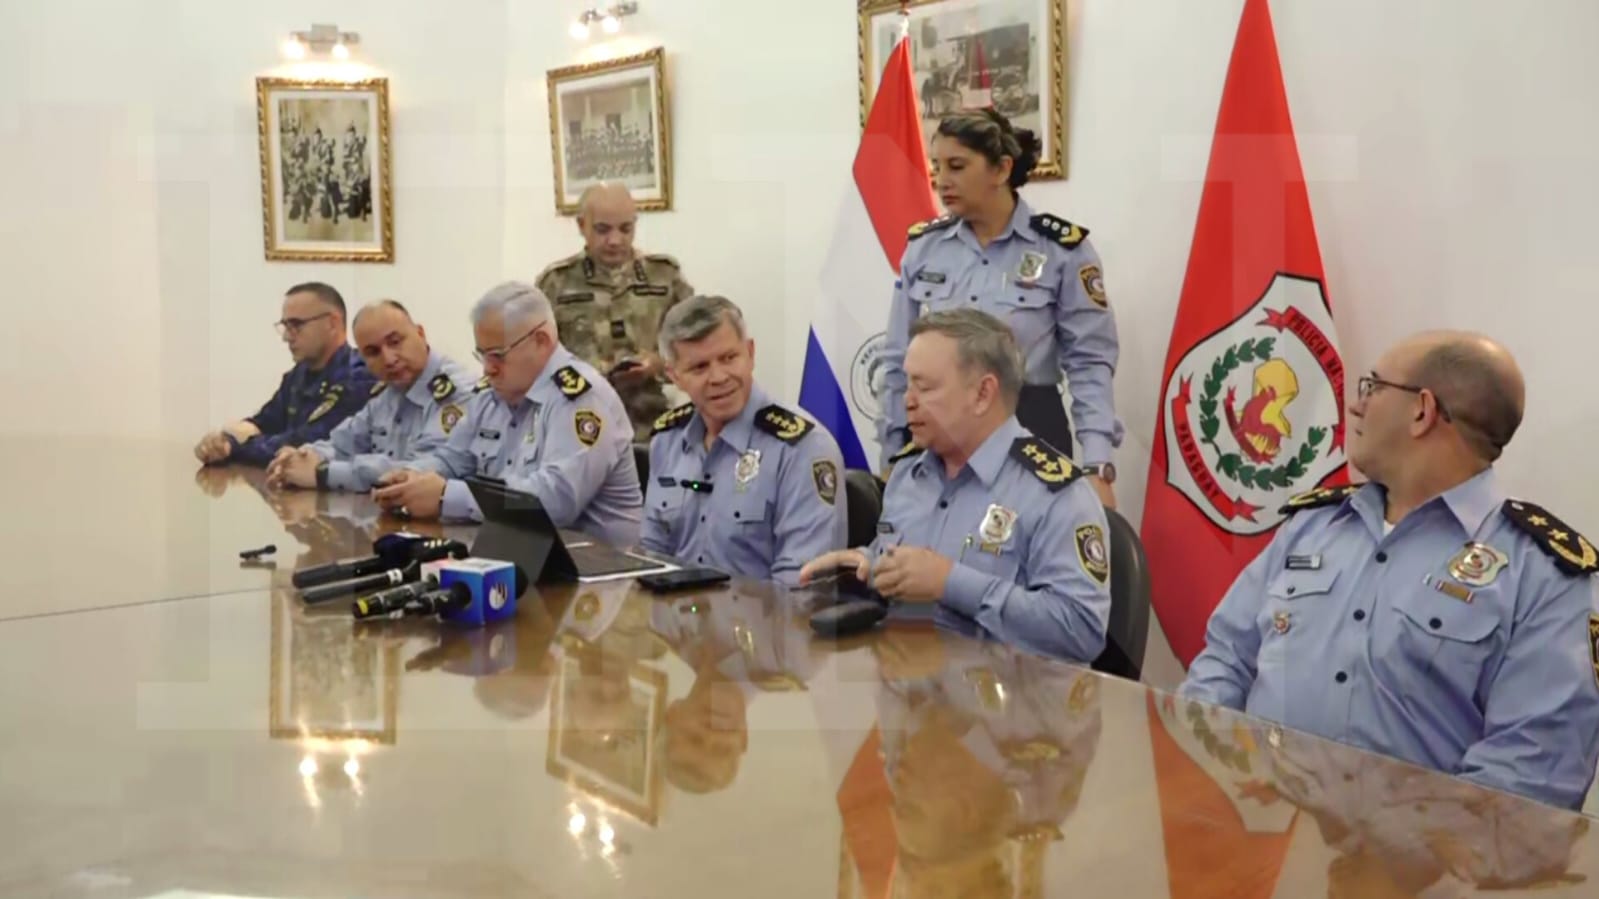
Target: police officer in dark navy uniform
328,384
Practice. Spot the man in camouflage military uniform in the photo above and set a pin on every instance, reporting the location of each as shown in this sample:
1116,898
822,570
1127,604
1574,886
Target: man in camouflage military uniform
609,300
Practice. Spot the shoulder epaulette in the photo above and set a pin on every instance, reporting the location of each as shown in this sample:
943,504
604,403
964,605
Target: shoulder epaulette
379,387
673,418
481,385
1321,496
558,265
571,382
905,452
1059,230
938,224
1048,464
443,388
783,424
663,259
1571,551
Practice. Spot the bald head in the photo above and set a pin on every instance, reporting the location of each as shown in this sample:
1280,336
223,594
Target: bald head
392,345
607,218
1476,381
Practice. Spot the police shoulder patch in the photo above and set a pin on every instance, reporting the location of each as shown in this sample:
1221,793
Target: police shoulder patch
1571,551
588,425
1059,230
825,474
443,388
1046,463
905,452
571,382
1321,496
673,418
938,224
783,424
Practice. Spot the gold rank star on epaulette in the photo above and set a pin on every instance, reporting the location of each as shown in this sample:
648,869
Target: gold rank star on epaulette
673,418
1046,463
782,424
1572,552
1321,496
571,382
938,224
1059,230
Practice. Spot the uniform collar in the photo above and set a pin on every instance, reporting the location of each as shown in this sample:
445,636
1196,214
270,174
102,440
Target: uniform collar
592,266
989,458
1020,226
337,363
737,433
1470,502
421,391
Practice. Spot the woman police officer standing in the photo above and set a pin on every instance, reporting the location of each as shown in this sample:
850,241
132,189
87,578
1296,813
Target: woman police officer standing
1035,272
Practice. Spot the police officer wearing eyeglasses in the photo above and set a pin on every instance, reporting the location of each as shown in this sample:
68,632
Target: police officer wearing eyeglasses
542,420
328,384
1424,615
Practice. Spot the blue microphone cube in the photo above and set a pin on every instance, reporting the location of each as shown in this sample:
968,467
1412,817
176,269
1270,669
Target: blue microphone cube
493,586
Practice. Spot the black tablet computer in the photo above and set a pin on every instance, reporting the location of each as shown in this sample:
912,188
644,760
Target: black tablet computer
517,529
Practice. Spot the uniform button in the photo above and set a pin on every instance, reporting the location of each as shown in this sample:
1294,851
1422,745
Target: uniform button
702,519
1382,557
735,514
1341,677
702,559
1360,614
1435,624
663,503
943,504
974,299
1290,591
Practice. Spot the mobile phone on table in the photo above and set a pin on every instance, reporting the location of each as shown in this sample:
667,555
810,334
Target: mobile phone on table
683,579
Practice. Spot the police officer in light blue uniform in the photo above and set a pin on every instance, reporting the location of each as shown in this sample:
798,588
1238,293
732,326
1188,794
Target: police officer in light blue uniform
737,482
542,420
420,396
988,521
328,384
1424,615
1035,272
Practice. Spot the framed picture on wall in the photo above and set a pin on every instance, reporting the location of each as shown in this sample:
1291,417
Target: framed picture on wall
608,122
325,189
1009,54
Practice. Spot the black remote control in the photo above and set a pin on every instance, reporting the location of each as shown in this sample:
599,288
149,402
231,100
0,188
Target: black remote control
848,618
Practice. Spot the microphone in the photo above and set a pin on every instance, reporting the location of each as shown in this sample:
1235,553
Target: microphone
389,551
393,599
417,605
392,577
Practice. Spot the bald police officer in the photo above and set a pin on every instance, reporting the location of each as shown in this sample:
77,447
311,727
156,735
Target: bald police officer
420,396
609,300
542,420
327,384
1424,615
980,515
737,482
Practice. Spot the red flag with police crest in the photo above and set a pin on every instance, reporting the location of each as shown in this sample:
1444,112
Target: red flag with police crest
1251,406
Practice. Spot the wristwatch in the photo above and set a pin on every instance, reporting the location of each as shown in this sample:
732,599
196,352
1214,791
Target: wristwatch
1105,470
322,475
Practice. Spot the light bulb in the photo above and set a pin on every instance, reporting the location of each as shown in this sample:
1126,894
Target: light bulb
308,767
293,49
580,31
611,24
340,51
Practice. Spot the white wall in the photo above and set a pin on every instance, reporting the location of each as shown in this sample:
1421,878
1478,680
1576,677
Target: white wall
1448,142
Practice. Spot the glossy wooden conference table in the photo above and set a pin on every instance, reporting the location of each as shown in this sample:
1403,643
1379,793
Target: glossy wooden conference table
610,743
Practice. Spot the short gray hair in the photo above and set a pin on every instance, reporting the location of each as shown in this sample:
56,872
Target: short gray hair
984,342
1475,392
694,319
517,302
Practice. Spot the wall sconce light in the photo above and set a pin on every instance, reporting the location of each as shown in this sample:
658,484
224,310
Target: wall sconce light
321,39
610,19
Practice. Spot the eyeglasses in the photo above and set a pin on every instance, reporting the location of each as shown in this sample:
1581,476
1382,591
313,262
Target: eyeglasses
293,325
487,356
1368,384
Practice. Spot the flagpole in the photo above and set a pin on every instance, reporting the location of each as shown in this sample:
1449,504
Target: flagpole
904,19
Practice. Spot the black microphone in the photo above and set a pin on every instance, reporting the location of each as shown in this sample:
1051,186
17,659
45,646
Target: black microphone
392,577
420,605
453,598
342,570
389,551
383,602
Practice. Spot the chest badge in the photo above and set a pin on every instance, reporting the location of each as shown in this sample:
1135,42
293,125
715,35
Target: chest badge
999,525
1282,623
749,466
1477,565
1032,267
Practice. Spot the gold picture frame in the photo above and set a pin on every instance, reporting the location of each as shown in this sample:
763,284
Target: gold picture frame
608,750
327,681
1026,82
609,138
329,198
